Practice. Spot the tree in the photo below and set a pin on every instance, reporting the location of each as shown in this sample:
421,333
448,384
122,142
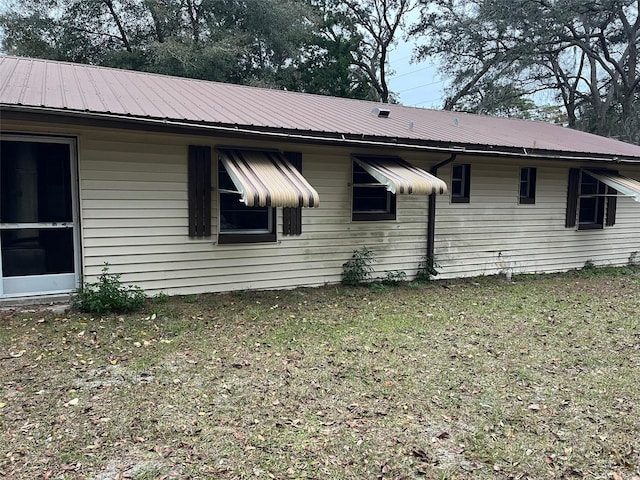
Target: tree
378,23
332,47
328,67
583,52
244,41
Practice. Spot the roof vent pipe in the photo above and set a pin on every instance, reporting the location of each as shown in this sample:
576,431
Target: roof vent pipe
381,112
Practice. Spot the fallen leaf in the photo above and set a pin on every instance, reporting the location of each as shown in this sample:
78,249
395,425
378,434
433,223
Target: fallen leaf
421,455
74,401
239,436
2,404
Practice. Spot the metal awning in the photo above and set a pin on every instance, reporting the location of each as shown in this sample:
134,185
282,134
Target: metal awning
627,186
267,179
400,177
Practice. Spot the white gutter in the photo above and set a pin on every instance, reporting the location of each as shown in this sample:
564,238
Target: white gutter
325,139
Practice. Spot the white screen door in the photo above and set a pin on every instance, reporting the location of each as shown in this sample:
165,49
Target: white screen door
38,220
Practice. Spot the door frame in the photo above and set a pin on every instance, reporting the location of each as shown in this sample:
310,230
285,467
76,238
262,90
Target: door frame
75,207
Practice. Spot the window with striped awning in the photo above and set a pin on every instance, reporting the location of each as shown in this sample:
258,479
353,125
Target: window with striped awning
400,177
627,187
267,179
378,179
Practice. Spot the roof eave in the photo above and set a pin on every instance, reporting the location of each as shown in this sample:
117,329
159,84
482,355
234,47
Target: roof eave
335,138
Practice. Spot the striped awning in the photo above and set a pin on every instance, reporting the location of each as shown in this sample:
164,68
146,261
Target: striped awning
628,187
267,179
400,177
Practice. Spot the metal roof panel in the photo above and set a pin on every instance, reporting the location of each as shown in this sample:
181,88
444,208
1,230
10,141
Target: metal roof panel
100,90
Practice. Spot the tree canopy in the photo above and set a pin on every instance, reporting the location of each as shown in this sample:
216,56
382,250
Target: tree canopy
502,54
574,61
318,46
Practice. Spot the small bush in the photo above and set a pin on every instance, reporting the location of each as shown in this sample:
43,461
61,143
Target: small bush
160,299
394,277
108,295
427,269
358,269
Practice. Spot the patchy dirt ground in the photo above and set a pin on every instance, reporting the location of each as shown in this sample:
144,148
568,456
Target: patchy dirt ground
535,379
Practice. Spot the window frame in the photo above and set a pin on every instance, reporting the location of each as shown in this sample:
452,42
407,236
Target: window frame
605,198
465,183
529,183
259,235
599,200
390,213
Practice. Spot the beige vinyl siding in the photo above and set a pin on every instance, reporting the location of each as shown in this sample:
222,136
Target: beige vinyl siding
494,234
134,210
133,202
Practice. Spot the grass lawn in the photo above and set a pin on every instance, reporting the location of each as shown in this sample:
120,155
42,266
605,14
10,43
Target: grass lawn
473,379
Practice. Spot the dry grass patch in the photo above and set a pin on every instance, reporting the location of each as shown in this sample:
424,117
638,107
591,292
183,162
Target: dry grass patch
534,379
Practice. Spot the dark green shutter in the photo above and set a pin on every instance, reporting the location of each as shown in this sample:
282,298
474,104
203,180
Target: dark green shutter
612,203
572,197
199,191
292,216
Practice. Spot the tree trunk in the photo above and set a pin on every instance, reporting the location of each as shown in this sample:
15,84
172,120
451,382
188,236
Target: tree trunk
116,18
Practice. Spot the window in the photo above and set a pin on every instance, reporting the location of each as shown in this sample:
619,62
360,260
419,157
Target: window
238,222
527,186
460,183
371,199
590,203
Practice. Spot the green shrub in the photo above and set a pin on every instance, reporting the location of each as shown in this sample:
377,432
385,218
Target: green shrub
108,295
394,277
160,299
427,269
358,269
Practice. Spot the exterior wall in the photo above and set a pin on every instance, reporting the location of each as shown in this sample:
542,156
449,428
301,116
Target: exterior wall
133,200
134,210
493,233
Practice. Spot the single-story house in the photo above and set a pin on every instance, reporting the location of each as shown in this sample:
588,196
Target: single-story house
185,186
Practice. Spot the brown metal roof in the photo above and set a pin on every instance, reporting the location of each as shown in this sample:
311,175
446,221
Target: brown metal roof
33,83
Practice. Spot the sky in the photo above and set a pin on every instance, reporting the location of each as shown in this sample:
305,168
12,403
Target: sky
416,84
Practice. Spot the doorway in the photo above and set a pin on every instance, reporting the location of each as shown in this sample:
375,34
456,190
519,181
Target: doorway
39,241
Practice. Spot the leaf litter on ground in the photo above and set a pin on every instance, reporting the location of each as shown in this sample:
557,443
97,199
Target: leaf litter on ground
538,378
